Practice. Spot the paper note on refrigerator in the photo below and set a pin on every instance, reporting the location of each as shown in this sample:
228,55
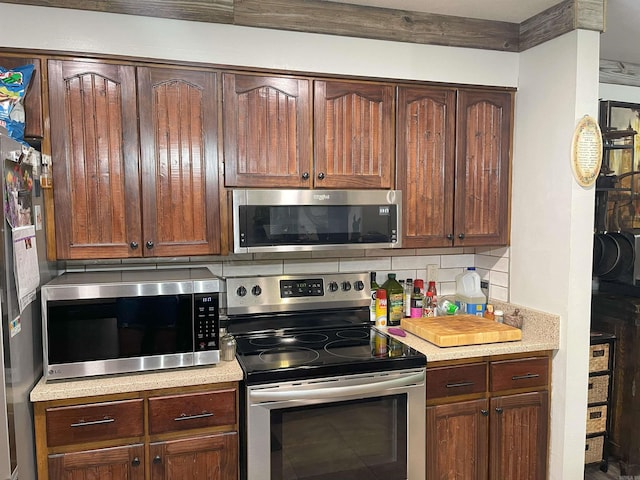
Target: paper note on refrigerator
25,264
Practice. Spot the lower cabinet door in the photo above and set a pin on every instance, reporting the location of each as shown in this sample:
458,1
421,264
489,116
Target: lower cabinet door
519,426
457,436
214,457
116,463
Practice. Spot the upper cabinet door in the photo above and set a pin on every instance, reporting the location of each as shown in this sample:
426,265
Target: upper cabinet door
94,142
482,163
179,162
426,169
267,131
353,132
32,102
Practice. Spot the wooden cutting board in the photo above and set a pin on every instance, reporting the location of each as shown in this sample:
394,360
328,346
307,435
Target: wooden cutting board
457,330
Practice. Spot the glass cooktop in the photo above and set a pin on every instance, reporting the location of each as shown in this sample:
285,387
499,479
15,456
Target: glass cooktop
300,354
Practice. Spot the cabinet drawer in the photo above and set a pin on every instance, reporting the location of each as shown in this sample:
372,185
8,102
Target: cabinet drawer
193,410
93,422
528,372
599,357
456,380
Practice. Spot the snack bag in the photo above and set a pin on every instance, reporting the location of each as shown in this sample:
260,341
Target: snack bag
13,87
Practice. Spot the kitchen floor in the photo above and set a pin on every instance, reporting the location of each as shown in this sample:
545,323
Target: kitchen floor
593,472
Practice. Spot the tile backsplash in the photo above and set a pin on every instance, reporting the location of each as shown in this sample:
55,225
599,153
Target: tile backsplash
491,263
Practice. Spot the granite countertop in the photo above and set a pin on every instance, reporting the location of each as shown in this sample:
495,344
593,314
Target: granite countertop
63,389
540,331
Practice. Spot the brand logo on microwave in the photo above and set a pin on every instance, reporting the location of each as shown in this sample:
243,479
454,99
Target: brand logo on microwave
321,196
384,210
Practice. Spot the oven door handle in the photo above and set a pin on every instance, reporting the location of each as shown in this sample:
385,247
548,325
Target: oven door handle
332,392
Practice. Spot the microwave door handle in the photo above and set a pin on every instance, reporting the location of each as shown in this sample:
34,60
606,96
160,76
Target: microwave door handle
332,392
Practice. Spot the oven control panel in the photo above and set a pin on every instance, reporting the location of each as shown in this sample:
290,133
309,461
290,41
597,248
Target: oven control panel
278,293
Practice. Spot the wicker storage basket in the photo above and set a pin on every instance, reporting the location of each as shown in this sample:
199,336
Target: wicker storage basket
593,449
596,419
598,389
599,357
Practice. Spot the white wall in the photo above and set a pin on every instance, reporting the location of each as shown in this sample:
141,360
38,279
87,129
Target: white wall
552,223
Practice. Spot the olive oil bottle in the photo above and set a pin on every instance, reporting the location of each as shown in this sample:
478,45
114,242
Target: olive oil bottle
395,300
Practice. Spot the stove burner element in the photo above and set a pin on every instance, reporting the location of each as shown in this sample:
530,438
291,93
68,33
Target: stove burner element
352,334
311,338
266,341
285,357
349,348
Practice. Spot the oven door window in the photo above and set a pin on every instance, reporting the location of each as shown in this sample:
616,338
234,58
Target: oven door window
106,329
359,439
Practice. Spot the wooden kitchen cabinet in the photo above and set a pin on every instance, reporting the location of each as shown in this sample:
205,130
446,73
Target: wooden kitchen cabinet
212,457
353,134
267,131
189,432
454,151
32,102
267,122
488,418
118,194
116,463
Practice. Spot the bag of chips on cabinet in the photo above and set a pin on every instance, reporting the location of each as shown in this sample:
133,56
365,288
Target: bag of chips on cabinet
13,87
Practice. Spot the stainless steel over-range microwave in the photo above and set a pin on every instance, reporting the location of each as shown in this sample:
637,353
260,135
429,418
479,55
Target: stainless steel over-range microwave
280,220
102,323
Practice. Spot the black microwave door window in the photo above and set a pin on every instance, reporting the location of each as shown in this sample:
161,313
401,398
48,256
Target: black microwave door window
316,225
119,328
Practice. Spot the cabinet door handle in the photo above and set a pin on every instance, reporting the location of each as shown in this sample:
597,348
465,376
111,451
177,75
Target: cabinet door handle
135,462
157,459
459,384
525,376
149,244
133,245
484,412
184,416
499,410
321,175
82,423
450,236
305,176
461,236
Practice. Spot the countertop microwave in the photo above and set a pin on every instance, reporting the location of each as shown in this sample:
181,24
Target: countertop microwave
280,220
99,323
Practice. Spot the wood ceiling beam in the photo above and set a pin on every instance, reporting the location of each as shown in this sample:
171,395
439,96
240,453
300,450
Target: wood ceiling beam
619,73
334,18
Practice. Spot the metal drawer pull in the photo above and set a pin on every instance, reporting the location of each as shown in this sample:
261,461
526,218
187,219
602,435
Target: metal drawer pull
184,416
82,423
524,377
459,384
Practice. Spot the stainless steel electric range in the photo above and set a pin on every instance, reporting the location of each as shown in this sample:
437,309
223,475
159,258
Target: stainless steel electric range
327,394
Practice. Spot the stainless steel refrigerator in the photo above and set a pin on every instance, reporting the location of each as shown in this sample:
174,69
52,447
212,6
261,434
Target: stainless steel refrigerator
21,359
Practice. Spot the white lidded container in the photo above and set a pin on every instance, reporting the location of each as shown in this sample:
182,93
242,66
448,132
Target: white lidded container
469,296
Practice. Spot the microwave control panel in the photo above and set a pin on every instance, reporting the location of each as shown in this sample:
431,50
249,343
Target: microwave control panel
206,331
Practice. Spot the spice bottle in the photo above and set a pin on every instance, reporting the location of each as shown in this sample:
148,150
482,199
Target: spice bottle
427,306
434,297
417,302
408,293
499,316
395,300
381,307
374,288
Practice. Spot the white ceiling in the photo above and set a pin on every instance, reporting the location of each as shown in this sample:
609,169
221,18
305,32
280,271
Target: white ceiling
621,41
